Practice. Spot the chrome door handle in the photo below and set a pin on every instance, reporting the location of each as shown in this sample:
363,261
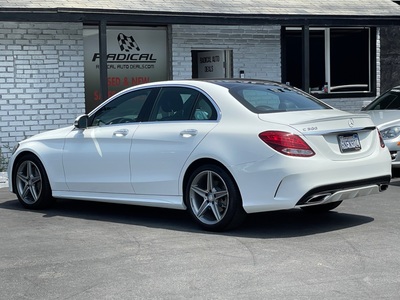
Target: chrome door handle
189,132
121,133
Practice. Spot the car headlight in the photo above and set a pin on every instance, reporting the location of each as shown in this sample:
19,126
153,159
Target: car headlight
390,133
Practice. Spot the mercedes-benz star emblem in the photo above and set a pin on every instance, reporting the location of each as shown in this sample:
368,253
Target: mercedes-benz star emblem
351,122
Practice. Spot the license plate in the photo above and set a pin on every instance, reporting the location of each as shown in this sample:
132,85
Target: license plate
349,142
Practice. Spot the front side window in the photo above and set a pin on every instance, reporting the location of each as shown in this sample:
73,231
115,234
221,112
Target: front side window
127,108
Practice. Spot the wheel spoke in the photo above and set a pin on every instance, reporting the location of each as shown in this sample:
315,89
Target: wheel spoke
209,181
203,208
28,169
25,191
220,194
35,179
215,210
22,178
199,191
34,193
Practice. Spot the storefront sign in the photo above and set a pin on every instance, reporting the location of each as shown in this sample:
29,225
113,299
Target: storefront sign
135,55
211,64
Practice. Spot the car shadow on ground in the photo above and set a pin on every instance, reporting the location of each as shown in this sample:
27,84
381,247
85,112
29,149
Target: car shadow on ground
277,224
295,223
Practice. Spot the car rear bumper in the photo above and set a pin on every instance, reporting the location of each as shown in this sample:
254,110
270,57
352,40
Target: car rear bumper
274,185
344,191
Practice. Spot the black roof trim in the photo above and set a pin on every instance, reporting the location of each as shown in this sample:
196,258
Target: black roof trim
165,18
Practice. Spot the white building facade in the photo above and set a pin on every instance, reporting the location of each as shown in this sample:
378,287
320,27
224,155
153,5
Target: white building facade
42,68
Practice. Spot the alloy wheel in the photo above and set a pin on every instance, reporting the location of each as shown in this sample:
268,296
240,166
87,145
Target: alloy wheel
209,197
29,182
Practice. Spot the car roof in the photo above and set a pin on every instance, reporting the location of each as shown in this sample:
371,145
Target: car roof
226,83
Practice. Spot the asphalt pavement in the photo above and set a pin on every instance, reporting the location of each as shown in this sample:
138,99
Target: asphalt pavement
88,250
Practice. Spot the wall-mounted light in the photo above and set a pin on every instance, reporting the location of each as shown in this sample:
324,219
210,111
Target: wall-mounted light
241,73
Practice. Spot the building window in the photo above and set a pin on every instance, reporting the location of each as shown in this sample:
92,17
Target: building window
340,60
135,55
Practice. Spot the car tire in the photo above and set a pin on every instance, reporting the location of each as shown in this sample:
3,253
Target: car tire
213,199
321,208
31,183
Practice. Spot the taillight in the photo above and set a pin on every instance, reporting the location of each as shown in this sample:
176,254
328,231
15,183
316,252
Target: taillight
286,143
381,139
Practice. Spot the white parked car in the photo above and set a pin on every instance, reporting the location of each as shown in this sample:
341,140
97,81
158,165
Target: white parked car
385,113
221,149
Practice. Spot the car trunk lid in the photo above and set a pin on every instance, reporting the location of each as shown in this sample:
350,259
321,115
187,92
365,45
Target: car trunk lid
334,134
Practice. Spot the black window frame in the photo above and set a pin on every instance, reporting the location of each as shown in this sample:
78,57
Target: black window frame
313,59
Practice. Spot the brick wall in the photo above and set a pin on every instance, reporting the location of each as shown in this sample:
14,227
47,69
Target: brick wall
390,57
256,49
41,78
350,105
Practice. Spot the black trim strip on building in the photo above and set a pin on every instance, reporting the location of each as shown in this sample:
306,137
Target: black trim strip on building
164,18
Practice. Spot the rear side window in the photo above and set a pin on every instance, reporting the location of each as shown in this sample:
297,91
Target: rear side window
182,104
267,99
203,110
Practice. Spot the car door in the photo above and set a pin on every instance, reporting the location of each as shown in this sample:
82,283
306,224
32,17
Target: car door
96,159
180,119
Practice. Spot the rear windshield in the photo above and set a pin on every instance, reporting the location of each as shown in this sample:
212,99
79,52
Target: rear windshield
261,98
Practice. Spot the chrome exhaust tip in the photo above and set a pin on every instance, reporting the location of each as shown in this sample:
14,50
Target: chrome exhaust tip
318,198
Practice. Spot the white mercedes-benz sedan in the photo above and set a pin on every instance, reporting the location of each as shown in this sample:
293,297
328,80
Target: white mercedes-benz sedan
220,149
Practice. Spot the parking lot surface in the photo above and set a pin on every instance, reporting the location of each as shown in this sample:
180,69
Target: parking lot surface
88,250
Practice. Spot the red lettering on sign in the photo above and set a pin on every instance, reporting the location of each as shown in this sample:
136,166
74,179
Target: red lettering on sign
113,81
96,96
140,80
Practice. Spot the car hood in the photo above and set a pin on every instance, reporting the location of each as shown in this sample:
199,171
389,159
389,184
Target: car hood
384,118
51,134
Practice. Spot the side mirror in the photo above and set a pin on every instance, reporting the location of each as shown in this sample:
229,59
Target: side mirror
81,122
